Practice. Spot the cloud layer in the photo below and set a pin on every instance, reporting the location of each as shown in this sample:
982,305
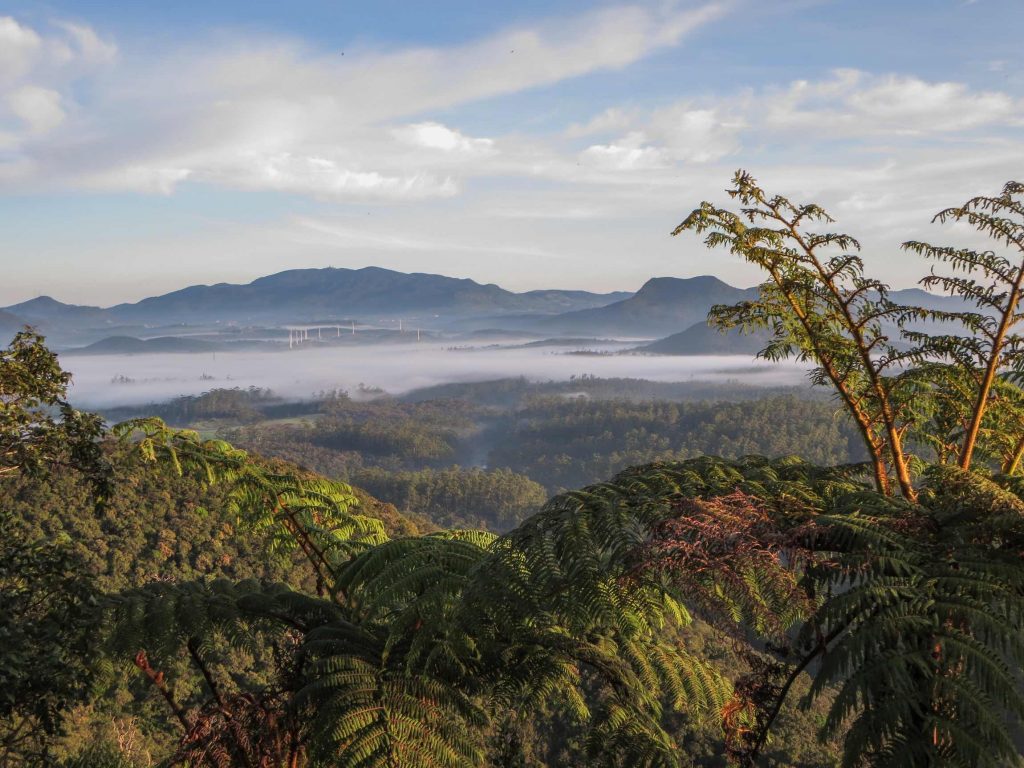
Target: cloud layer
418,136
274,115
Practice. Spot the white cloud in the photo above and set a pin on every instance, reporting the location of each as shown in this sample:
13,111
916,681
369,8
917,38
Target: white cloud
325,177
612,120
89,46
283,172
855,103
19,46
910,104
38,75
694,134
152,179
436,136
631,153
39,108
270,114
680,133
850,106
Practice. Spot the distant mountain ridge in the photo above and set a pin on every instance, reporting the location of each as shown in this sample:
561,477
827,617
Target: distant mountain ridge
304,294
344,293
663,307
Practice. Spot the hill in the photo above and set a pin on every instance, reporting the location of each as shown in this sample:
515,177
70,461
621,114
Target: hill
46,309
662,306
130,345
702,339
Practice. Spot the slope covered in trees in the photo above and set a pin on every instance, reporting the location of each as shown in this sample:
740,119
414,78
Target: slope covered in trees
418,452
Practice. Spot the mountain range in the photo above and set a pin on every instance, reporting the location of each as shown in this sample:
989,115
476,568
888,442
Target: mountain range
302,295
667,308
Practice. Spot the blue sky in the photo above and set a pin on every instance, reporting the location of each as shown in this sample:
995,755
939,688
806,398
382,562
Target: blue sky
148,146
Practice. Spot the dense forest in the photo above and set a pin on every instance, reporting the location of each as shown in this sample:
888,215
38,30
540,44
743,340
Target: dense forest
170,598
489,454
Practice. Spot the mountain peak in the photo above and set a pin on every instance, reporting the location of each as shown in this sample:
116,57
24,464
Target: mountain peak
698,281
672,289
48,305
41,302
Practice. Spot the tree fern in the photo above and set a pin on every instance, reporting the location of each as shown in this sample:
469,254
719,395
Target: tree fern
308,513
368,710
990,343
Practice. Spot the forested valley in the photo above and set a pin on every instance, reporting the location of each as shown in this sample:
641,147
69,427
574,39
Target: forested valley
488,454
521,574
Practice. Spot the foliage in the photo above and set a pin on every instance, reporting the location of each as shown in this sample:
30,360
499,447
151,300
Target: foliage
310,514
918,609
47,624
421,626
927,648
38,428
46,608
821,308
236,403
992,282
570,443
456,497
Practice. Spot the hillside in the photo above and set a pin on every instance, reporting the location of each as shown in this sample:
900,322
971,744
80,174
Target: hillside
130,345
701,339
10,324
159,523
44,309
661,307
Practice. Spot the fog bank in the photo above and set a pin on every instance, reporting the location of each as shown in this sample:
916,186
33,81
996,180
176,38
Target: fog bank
110,380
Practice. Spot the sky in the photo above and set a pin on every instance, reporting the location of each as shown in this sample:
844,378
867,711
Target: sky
145,147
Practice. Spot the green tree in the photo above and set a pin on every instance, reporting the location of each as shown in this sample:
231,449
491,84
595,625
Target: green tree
916,614
47,627
39,430
994,283
46,603
820,307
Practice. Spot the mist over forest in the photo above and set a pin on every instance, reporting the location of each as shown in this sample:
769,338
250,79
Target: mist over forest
104,381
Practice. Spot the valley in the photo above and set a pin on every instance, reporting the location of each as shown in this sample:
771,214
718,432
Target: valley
487,454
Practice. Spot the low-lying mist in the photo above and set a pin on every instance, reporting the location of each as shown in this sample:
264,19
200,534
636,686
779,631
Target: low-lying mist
104,381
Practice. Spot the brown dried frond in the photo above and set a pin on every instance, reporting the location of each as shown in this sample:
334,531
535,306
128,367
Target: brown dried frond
731,559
